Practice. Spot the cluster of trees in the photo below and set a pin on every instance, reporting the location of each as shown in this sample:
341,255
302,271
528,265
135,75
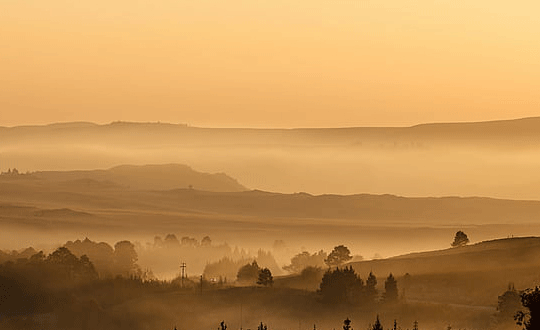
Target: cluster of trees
11,172
229,267
27,282
343,285
251,273
171,241
337,257
110,262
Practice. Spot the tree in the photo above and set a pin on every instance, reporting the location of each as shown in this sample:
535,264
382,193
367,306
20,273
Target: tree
304,260
206,241
339,255
222,326
390,289
377,325
415,325
530,299
460,239
171,241
341,286
265,277
125,258
248,273
371,288
262,327
347,324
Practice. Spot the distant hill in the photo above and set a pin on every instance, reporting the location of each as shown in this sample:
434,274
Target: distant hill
494,159
147,177
525,131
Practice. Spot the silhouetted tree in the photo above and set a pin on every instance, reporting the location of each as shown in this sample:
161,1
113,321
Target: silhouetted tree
371,288
377,325
341,286
248,273
262,327
347,324
222,326
415,325
460,239
125,258
530,299
265,277
339,255
305,259
390,289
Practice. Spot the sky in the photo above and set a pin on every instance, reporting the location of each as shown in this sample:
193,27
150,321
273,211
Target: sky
246,63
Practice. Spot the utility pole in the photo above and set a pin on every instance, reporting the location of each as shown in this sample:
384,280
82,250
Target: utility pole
183,273
201,284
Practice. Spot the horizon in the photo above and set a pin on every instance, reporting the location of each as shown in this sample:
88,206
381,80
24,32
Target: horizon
189,125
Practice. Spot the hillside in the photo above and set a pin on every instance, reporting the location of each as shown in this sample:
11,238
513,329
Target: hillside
472,276
494,255
147,177
493,159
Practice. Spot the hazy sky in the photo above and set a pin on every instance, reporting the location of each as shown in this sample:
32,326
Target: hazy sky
268,63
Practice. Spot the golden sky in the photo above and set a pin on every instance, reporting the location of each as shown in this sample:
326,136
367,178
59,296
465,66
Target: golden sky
268,63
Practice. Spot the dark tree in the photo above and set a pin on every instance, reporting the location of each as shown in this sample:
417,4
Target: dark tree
339,255
390,289
248,273
530,299
460,239
371,288
305,259
341,286
222,326
347,324
125,258
415,325
377,325
262,327
265,277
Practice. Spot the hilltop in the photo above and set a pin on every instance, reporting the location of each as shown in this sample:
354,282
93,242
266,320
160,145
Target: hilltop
146,177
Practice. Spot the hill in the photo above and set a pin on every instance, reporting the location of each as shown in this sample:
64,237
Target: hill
147,177
495,159
493,255
473,275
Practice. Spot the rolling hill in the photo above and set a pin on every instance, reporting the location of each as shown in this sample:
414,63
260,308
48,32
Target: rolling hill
147,177
494,159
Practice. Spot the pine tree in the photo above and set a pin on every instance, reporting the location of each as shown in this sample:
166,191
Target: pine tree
371,288
390,289
347,324
377,325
